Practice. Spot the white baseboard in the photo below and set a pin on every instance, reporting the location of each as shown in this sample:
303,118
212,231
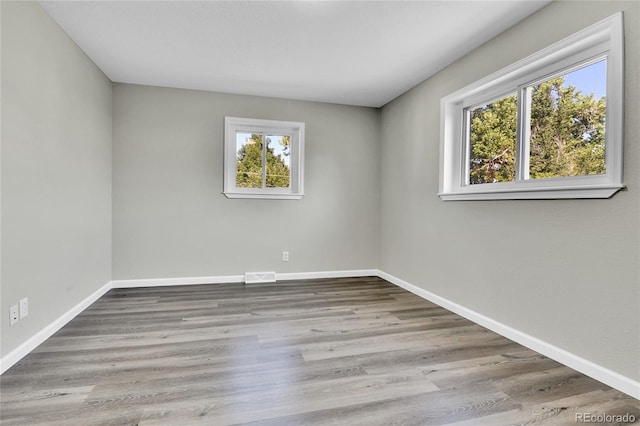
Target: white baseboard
225,279
21,351
327,274
602,374
161,282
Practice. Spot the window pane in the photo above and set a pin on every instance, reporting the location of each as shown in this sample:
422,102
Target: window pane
568,124
278,150
492,150
249,160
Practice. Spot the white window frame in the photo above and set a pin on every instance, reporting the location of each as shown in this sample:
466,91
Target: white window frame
601,40
233,125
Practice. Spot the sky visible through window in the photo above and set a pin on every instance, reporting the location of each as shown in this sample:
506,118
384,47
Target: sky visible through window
589,79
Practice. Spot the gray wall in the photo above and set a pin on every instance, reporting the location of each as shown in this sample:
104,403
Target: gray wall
170,218
565,271
56,172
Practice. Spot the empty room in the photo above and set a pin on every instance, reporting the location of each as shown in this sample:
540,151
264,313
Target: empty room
320,212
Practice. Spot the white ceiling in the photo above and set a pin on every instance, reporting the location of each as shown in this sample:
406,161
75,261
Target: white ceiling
348,52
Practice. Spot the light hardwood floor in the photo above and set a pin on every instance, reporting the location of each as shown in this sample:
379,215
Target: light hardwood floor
356,351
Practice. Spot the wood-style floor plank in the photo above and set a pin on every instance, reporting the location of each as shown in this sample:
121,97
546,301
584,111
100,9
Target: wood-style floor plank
349,351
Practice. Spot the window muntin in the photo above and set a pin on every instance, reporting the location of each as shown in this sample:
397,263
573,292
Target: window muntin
263,158
597,48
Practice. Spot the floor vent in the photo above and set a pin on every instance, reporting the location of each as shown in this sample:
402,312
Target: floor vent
259,277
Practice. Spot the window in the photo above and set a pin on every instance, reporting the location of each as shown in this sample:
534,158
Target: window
549,126
263,158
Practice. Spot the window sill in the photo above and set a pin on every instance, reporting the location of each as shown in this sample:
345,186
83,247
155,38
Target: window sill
551,193
263,196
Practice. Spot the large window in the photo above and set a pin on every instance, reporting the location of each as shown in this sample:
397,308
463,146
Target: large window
263,158
549,126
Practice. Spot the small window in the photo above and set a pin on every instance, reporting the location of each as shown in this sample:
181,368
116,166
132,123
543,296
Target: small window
263,158
549,126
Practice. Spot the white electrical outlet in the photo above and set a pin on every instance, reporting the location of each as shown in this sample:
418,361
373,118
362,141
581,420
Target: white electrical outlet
24,307
13,314
285,256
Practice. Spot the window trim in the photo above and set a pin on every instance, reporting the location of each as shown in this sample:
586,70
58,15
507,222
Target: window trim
602,40
295,129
